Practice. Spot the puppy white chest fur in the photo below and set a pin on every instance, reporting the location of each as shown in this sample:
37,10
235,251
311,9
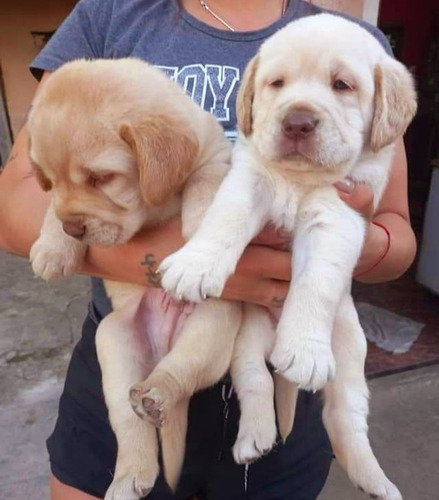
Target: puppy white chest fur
285,204
279,189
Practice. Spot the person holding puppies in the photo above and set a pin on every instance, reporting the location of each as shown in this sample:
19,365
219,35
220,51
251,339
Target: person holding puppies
204,46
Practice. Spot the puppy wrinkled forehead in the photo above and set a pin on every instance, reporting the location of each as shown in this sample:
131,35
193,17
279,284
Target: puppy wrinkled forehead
326,34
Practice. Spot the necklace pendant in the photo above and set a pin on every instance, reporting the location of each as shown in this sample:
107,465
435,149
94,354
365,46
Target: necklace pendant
216,16
206,7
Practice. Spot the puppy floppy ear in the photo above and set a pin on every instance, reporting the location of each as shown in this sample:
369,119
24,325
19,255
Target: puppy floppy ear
244,100
395,103
43,181
166,151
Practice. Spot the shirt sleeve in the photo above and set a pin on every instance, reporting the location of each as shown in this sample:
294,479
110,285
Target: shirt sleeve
81,35
381,37
373,30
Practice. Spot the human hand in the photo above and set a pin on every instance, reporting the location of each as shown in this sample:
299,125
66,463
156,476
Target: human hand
262,277
263,273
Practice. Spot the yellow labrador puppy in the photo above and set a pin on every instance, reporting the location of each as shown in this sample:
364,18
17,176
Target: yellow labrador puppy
122,147
321,101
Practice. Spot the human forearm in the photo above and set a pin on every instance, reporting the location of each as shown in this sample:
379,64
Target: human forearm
261,277
385,260
22,202
393,214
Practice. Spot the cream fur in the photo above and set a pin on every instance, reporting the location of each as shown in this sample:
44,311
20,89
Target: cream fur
318,343
100,139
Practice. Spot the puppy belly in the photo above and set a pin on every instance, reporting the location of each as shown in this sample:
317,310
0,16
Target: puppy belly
163,319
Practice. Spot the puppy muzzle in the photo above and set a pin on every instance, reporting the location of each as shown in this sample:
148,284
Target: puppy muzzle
297,132
299,125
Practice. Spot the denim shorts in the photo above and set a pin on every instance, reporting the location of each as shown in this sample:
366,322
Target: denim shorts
82,447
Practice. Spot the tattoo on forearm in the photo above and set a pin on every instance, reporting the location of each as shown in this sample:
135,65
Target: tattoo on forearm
150,266
278,301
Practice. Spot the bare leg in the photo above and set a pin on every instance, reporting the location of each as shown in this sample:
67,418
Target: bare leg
254,386
123,354
346,407
60,491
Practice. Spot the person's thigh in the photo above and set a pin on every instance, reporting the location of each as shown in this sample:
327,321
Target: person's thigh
296,470
60,491
82,447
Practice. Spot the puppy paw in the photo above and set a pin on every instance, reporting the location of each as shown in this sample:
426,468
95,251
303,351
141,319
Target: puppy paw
52,260
253,443
374,483
132,484
306,362
149,404
194,275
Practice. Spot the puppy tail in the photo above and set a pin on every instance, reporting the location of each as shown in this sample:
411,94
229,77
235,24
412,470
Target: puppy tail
173,441
285,396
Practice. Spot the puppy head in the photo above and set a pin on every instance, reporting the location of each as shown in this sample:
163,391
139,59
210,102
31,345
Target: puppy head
322,91
113,146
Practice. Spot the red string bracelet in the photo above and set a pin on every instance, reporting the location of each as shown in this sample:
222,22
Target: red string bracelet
378,224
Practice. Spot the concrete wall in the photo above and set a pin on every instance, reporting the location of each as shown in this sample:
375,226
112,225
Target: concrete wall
365,9
353,7
17,47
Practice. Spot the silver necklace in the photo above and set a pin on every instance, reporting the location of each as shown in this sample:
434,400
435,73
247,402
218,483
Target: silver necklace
206,7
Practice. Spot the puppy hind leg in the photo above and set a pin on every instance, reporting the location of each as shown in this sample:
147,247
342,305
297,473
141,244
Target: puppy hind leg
285,396
123,358
173,443
346,407
254,386
199,358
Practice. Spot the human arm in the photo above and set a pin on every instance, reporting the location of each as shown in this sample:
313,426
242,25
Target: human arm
262,274
393,214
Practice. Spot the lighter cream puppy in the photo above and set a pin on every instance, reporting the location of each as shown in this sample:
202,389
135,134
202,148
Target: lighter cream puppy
320,101
121,147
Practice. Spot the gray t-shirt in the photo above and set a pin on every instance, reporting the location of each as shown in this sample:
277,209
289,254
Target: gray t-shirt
206,61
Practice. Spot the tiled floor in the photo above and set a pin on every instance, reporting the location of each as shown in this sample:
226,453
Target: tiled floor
407,298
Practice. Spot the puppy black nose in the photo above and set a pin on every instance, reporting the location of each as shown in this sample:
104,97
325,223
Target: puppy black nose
299,124
74,229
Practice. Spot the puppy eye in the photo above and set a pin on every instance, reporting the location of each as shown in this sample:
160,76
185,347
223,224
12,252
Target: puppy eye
277,84
99,180
341,85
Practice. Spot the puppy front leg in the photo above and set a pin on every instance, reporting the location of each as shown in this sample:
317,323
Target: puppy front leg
123,357
55,254
254,386
201,268
346,407
328,238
